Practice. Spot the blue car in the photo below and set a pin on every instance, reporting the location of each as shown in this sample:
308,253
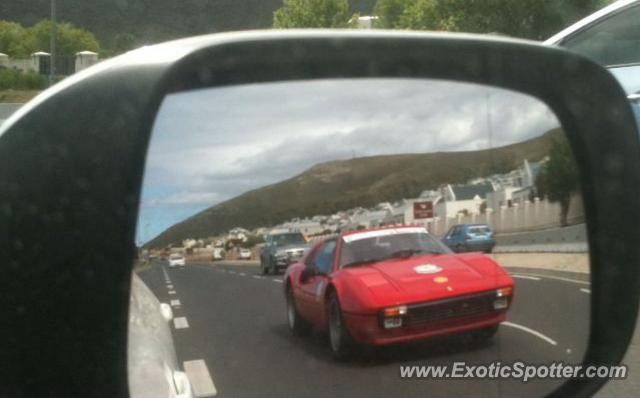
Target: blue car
470,238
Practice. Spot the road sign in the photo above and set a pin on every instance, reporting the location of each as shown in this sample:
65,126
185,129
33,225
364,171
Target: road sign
422,210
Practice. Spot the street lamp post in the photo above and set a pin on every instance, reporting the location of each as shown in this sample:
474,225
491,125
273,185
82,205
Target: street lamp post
52,43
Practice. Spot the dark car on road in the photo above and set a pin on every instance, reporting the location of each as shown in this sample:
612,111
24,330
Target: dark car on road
280,250
470,238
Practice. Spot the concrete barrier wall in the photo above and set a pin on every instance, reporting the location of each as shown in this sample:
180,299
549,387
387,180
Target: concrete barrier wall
527,216
572,239
565,262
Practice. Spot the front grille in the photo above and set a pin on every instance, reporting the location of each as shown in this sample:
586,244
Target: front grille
457,307
295,254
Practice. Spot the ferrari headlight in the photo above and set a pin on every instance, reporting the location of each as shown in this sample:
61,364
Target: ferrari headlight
392,316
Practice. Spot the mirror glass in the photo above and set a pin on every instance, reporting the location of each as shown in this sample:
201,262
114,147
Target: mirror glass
445,220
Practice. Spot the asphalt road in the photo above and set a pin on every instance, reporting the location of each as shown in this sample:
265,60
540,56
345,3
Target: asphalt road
237,325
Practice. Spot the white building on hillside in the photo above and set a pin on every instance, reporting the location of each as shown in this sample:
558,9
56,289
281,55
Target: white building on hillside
462,199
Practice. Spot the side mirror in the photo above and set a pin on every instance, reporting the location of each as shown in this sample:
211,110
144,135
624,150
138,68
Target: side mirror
308,272
72,164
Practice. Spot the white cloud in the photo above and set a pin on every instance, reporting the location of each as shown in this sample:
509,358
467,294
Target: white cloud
211,145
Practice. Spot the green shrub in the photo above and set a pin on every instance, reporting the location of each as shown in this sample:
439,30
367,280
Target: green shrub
18,80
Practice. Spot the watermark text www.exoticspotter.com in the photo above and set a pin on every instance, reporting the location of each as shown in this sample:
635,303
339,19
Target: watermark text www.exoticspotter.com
516,370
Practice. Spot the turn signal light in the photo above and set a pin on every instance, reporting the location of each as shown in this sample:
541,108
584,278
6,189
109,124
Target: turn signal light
504,291
395,311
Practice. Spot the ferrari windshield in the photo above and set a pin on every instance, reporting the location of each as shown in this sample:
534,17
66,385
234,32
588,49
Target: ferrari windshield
372,246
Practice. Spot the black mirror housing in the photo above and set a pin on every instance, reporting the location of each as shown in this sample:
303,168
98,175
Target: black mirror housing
80,177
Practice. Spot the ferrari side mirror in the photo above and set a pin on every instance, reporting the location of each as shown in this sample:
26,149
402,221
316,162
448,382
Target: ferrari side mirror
308,272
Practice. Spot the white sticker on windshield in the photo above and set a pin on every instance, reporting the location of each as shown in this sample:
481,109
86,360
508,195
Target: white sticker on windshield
383,232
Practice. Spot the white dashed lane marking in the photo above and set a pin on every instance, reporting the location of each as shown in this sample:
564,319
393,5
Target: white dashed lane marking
242,274
277,280
169,286
172,292
558,278
257,277
531,331
200,378
533,278
180,323
175,303
583,290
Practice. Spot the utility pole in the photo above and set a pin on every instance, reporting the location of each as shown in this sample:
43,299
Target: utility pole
52,44
490,133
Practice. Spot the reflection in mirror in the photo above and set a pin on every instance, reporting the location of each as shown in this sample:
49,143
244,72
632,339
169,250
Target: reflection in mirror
360,231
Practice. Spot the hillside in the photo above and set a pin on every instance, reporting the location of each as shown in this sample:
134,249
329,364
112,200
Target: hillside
157,20
338,185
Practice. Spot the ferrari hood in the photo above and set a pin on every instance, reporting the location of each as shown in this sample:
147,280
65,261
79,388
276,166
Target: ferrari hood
423,278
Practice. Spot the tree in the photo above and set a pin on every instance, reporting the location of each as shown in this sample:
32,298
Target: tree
312,14
69,39
558,180
389,13
123,42
14,40
533,19
19,42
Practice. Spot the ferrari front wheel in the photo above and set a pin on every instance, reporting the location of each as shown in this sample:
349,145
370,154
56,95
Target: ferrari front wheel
297,325
341,342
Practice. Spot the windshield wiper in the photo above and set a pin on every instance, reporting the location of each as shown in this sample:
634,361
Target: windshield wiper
362,262
406,253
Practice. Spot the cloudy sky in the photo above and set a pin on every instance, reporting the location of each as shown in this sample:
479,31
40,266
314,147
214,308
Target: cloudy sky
211,145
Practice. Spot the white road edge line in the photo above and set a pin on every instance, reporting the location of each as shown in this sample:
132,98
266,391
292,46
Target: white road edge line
277,280
583,290
533,278
200,378
531,331
180,323
556,277
175,303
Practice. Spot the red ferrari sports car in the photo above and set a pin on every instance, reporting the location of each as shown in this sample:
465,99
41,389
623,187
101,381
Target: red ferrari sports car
393,284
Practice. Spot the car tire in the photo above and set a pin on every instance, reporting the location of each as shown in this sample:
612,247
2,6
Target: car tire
264,270
298,326
340,341
489,250
485,333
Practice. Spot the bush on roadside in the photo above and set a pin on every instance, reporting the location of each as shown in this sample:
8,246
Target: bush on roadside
18,80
